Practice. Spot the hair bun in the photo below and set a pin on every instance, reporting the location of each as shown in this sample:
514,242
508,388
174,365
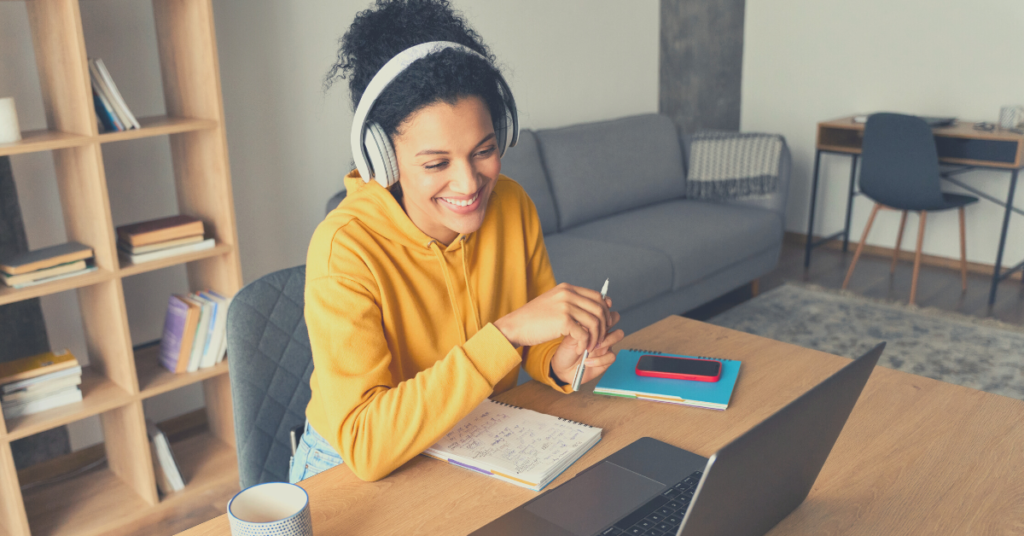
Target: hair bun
391,26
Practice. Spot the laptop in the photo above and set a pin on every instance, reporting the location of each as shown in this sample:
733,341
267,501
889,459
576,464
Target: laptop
656,489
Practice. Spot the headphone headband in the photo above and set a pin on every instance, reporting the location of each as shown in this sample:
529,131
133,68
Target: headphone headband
364,134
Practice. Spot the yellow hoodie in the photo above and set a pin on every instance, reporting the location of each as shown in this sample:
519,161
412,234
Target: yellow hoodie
400,325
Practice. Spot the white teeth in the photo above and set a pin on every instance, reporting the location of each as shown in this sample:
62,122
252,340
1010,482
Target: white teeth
458,203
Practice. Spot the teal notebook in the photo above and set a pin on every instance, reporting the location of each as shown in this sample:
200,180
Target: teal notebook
621,380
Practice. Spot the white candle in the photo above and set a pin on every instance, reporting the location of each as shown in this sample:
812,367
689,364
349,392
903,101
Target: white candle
9,131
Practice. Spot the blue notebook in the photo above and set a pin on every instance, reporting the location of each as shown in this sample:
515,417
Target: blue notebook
621,380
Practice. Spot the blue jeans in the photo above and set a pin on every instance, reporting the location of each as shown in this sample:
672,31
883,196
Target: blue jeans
313,455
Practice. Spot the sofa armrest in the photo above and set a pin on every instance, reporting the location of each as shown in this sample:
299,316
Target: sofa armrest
775,202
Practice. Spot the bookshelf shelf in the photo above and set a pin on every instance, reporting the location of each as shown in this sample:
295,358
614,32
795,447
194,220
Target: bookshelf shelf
33,141
105,500
155,380
43,140
205,462
128,269
158,126
97,502
11,295
99,395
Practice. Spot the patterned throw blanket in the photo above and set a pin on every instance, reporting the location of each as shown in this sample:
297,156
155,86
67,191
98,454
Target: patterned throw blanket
727,165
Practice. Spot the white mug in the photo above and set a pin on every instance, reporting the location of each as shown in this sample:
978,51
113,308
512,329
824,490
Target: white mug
1011,117
273,508
9,131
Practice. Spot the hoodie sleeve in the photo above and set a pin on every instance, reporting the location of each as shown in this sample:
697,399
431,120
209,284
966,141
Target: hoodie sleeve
540,279
375,423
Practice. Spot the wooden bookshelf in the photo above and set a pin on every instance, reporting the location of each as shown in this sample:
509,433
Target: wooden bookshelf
47,140
98,502
118,380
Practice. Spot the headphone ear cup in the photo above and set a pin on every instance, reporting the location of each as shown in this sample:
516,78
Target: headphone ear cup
383,163
503,131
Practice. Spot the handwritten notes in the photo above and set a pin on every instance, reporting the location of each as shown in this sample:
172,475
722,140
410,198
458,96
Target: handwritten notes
513,441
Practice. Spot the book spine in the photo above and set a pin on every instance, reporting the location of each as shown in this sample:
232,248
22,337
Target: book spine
188,337
104,114
62,399
99,82
174,330
146,236
130,121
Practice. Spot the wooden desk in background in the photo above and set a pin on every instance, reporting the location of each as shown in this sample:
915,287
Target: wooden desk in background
918,456
959,144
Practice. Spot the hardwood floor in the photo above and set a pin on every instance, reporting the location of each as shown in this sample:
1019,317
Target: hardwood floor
936,287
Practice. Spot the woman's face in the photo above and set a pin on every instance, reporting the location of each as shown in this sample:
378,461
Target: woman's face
448,165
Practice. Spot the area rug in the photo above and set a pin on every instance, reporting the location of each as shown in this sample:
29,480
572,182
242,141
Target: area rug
974,352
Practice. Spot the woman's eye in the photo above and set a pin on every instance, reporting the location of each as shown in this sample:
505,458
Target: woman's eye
437,165
486,152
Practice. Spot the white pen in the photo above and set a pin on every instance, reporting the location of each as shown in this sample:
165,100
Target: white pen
576,381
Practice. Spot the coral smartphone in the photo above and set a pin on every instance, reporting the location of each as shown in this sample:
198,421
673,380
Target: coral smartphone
679,368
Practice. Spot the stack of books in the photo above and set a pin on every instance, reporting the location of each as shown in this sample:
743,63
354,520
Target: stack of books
195,331
47,264
163,237
38,383
168,476
111,110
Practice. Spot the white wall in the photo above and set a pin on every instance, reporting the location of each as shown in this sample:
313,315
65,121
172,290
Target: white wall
566,61
806,61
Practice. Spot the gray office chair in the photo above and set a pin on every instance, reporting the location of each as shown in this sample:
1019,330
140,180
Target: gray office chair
901,172
271,362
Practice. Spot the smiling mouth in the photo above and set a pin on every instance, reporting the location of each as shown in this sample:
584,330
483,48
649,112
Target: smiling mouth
461,202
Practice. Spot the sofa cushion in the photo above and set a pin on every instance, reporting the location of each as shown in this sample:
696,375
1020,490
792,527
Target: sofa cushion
700,238
600,169
637,274
522,164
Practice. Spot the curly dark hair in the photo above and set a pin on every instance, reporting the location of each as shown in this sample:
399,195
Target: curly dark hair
391,26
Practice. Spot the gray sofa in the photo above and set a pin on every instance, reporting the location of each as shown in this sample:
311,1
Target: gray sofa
611,200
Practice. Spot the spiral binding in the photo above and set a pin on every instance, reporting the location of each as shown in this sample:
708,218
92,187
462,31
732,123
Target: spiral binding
574,422
507,405
655,352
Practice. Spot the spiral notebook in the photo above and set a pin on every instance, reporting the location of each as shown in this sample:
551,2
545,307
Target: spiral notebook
621,380
514,444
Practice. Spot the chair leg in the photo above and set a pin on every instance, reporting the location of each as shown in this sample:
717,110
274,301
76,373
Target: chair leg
860,246
917,256
899,240
963,250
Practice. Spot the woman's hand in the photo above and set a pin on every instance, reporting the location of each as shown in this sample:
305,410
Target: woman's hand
565,360
579,314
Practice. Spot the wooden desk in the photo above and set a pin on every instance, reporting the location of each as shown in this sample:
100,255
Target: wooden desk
959,144
917,456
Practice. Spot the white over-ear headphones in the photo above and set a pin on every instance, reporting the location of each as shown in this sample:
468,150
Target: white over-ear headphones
371,147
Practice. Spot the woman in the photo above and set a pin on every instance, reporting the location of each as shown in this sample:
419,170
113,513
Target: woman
425,297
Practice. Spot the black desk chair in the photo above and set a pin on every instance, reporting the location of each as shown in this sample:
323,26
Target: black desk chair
900,171
271,361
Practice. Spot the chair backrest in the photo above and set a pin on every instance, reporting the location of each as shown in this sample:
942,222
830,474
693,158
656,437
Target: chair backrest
901,164
271,361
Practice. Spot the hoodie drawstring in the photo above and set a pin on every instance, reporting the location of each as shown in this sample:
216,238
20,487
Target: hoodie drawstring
451,292
469,293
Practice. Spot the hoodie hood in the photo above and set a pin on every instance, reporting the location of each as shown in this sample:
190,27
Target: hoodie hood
384,215
377,209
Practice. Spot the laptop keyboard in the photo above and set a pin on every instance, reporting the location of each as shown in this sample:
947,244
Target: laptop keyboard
662,515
